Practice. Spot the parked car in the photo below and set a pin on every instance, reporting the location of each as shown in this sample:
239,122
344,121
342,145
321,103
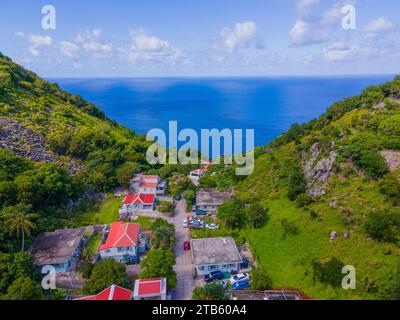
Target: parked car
194,207
132,260
239,277
245,263
186,246
185,223
215,275
240,285
212,226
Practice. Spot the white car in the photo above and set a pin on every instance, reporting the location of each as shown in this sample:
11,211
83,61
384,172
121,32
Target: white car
239,277
185,223
212,226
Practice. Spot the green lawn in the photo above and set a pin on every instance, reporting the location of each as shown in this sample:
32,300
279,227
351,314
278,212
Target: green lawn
288,261
93,244
105,213
144,222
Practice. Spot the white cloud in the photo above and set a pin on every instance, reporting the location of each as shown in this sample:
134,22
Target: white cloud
20,34
68,49
37,42
145,47
379,26
92,42
242,36
304,33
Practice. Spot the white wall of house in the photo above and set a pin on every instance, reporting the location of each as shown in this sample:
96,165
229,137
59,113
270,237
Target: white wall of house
131,208
208,208
119,253
206,269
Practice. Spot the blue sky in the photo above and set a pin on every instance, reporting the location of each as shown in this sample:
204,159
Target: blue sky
129,38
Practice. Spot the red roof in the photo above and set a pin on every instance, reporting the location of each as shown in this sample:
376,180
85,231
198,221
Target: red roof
122,235
147,177
111,293
148,185
139,199
149,287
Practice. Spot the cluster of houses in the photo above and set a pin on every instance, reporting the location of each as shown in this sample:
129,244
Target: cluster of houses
145,189
124,242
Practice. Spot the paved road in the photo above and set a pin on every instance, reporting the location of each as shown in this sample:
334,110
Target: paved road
184,266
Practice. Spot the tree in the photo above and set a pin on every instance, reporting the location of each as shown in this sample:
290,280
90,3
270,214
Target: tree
233,213
328,270
260,280
257,215
189,196
211,291
159,263
105,274
24,288
383,226
390,187
296,184
126,171
164,237
19,221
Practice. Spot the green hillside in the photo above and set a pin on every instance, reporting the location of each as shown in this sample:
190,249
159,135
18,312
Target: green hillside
336,173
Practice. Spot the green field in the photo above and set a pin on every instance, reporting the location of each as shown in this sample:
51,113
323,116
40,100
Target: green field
105,213
288,261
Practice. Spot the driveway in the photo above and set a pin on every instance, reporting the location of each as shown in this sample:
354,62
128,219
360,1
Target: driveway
184,267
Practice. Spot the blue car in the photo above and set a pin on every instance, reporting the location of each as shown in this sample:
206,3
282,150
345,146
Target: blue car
216,275
240,285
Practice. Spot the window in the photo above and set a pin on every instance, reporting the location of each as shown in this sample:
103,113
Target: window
201,268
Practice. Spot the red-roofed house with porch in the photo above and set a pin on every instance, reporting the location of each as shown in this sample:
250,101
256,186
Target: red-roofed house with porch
114,292
124,242
150,289
138,202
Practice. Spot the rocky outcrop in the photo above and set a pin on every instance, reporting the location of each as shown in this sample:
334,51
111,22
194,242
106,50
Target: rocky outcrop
317,170
32,145
392,158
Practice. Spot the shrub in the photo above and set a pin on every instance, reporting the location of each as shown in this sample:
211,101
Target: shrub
233,213
304,200
289,228
296,184
260,280
211,291
390,187
159,263
257,215
328,270
383,226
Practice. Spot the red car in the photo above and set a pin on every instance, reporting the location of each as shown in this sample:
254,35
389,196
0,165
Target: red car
186,246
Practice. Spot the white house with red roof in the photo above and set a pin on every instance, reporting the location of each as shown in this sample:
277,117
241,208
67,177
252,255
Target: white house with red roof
114,292
150,289
148,184
124,242
138,202
198,173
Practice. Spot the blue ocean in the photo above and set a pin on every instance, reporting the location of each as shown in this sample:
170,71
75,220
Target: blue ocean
267,105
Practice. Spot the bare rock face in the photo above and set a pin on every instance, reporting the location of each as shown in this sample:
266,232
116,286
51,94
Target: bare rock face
317,172
28,144
392,158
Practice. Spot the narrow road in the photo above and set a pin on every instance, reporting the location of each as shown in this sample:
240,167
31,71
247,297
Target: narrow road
184,266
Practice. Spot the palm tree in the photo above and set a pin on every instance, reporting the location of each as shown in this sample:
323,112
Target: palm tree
19,221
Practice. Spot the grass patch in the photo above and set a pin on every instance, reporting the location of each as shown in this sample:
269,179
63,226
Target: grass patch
105,213
93,244
145,223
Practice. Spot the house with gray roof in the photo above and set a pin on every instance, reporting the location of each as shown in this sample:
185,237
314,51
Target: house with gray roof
58,248
215,254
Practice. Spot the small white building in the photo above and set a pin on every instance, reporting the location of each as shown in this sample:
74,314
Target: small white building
124,242
148,184
215,254
150,289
